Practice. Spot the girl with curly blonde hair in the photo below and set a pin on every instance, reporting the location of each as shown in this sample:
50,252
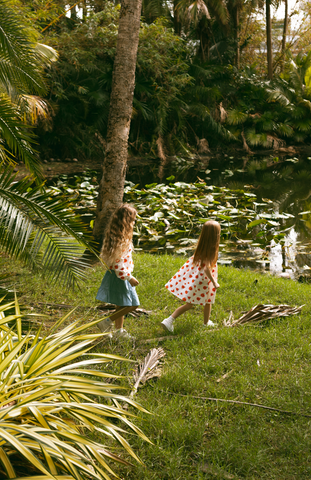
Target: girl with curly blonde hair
118,284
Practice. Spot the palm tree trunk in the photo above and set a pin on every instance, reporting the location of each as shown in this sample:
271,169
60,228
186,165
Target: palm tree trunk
269,39
285,27
236,35
177,22
120,112
84,10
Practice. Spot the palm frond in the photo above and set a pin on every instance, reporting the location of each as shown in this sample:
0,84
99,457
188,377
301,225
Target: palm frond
220,10
17,135
260,313
236,117
34,108
277,95
254,138
149,368
32,227
47,53
285,129
20,60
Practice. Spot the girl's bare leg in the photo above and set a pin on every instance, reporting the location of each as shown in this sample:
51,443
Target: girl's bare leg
207,312
119,320
182,309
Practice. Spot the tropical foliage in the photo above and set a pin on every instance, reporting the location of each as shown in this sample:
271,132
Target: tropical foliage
204,79
21,81
56,401
32,225
81,84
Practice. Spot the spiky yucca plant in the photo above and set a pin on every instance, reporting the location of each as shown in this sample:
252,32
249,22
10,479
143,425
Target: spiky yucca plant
53,395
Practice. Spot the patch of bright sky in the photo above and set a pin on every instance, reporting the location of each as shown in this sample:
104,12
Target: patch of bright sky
78,10
293,5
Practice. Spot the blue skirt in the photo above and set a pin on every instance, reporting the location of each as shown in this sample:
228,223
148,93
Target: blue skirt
117,291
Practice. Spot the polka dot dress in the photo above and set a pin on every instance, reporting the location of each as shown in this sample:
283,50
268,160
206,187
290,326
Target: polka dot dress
191,284
124,266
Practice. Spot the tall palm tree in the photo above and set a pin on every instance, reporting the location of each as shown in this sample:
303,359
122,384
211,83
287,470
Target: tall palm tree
32,225
120,112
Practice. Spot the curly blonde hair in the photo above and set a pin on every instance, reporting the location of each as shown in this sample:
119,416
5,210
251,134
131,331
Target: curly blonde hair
119,234
208,245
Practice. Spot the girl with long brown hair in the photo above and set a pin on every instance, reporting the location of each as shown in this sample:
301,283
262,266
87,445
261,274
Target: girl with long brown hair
196,281
118,284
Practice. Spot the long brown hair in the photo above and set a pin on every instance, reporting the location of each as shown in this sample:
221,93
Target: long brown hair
119,234
208,245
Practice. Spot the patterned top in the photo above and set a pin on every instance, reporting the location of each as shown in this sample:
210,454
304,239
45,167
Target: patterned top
192,285
124,266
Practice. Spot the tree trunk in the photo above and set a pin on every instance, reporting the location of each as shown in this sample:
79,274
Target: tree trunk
203,29
285,27
84,10
269,39
121,104
236,35
177,22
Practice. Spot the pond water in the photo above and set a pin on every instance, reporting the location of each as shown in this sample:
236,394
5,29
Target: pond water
263,204
285,182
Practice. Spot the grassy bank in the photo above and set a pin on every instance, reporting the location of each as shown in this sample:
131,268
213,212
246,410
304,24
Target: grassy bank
195,438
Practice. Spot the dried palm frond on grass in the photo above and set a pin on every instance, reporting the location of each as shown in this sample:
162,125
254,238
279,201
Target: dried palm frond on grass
149,368
260,313
53,393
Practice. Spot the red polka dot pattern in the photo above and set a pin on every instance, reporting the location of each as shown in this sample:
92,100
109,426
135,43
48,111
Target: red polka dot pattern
193,283
124,266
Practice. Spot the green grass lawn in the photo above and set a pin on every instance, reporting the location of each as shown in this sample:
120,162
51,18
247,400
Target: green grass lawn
194,438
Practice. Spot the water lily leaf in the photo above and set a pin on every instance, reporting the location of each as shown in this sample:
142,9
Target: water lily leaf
172,215
156,238
293,160
256,222
268,215
224,217
173,232
156,216
186,241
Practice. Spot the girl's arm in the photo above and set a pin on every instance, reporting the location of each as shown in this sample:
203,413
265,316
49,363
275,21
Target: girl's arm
210,277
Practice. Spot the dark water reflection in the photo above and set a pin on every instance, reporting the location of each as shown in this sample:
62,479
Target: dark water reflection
284,181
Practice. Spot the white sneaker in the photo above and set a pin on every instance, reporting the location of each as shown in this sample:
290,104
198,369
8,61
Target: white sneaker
167,324
210,324
105,325
121,334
